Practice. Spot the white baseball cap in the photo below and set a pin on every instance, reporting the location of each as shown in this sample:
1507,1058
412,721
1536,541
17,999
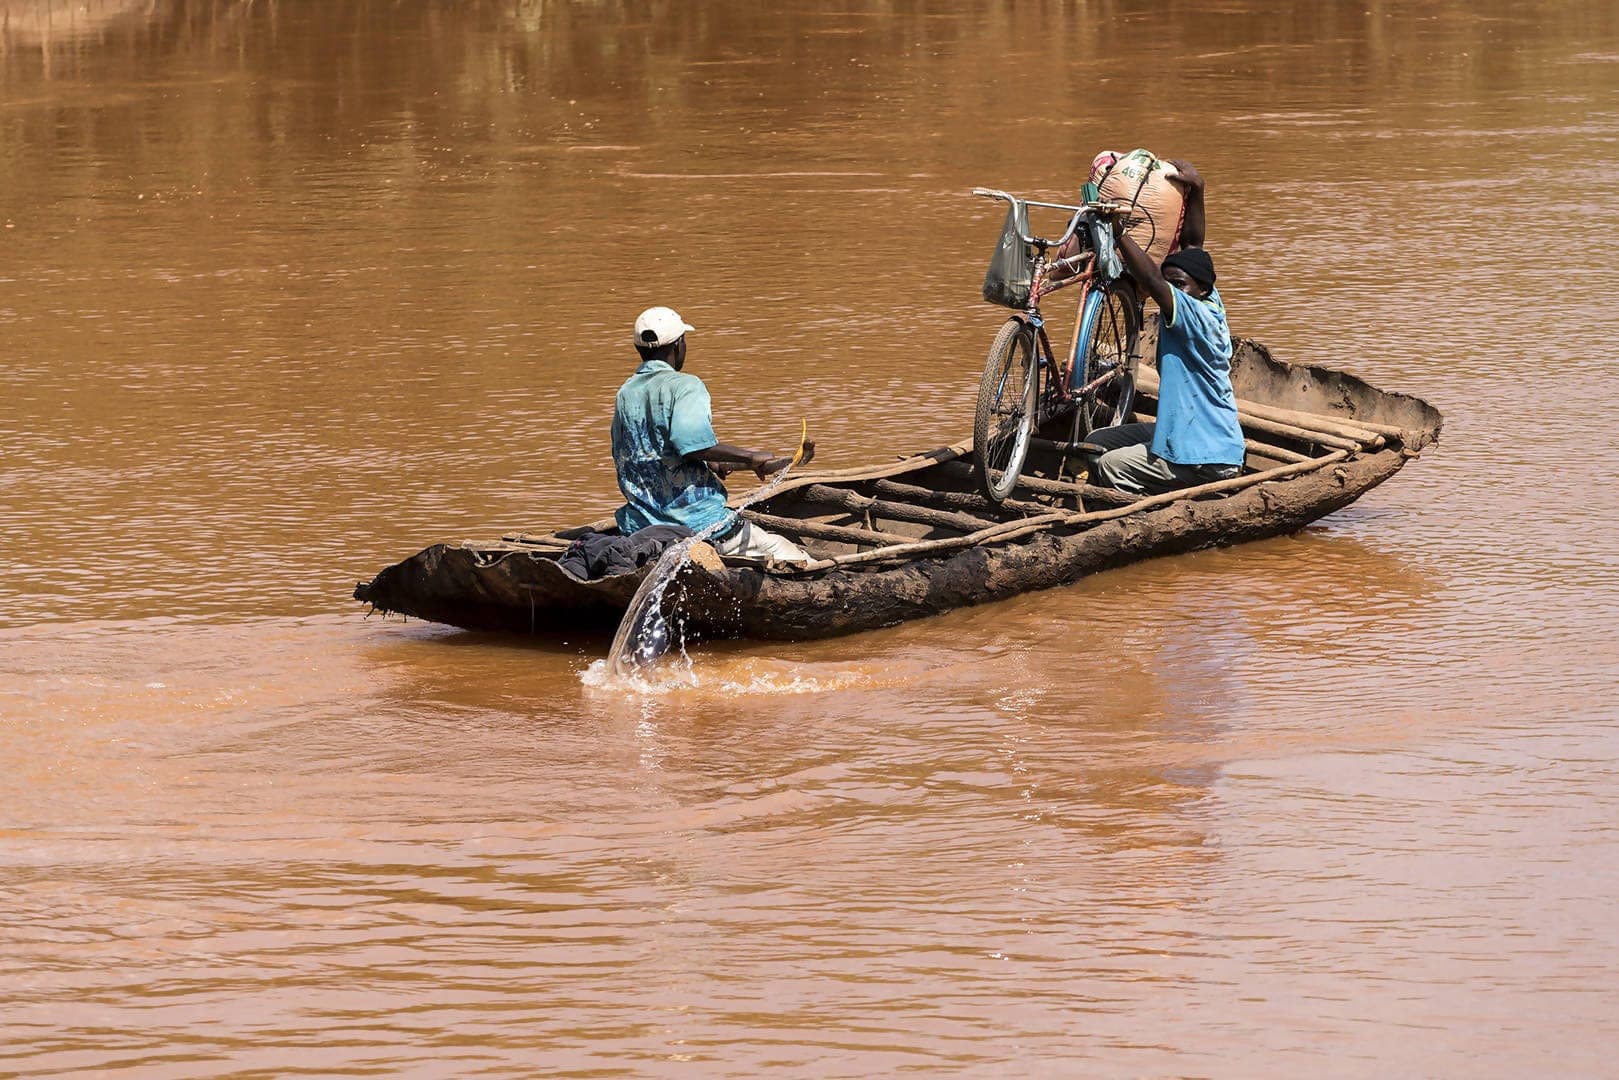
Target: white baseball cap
663,322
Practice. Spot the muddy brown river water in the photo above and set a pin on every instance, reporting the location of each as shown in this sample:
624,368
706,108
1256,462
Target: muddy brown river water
289,290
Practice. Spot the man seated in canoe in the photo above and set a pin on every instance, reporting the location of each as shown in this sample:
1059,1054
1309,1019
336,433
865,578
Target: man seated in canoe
669,461
1196,438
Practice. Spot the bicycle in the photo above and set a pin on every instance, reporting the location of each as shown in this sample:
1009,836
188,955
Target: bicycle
1098,379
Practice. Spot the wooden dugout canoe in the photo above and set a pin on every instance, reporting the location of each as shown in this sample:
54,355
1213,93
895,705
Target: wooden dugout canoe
912,538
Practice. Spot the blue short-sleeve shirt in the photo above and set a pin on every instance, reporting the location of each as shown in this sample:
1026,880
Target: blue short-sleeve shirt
660,416
1197,409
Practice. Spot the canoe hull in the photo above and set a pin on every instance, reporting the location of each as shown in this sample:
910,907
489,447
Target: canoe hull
512,589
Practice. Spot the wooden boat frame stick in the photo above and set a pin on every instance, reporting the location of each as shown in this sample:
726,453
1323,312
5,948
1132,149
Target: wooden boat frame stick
843,534
1350,427
1065,489
1308,435
856,503
955,500
550,543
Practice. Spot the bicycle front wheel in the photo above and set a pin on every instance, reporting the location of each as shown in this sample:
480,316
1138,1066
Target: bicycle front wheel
1110,327
1006,409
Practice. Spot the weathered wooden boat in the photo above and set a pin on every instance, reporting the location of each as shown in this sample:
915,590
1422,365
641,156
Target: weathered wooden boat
913,537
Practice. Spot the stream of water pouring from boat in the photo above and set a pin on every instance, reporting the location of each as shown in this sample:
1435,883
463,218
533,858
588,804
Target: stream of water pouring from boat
645,633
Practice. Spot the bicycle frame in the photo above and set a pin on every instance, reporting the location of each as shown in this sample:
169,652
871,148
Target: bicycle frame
1094,269
1042,287
1086,274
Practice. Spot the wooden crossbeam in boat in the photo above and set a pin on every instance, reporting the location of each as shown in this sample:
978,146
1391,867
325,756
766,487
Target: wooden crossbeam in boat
1275,453
856,503
846,534
1069,489
1066,449
552,543
1307,435
962,471
955,500
1348,427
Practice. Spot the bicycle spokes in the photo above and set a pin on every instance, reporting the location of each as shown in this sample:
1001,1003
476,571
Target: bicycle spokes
1108,390
1006,405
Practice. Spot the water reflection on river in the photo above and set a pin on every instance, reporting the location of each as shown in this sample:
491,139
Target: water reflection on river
291,289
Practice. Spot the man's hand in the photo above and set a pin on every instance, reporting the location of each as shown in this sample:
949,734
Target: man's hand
766,465
724,459
1186,173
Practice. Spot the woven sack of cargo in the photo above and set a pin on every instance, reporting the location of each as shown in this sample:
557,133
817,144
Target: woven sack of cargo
1011,268
1141,180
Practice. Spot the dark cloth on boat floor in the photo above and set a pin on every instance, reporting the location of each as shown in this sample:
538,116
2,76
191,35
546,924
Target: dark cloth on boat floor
597,554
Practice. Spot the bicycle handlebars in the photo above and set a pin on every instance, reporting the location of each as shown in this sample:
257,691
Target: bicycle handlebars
1108,209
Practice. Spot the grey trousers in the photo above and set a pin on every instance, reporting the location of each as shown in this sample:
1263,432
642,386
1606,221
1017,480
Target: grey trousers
1130,465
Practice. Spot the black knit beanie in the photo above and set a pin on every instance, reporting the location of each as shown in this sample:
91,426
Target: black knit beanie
1197,264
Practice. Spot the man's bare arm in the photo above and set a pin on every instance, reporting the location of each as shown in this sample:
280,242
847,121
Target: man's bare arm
1194,224
1147,274
725,458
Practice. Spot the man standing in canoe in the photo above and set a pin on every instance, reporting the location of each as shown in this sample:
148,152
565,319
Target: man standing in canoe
669,461
1196,438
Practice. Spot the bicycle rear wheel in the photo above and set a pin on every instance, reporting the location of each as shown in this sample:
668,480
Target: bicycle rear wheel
1006,409
1110,327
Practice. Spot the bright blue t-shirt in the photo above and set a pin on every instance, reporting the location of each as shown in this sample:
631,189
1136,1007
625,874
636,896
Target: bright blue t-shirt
1197,409
662,415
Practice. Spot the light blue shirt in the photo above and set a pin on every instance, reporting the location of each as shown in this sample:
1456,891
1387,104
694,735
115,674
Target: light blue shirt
660,416
1197,409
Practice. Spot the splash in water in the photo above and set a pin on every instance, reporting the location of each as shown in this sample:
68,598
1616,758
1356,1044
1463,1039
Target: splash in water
730,677
645,634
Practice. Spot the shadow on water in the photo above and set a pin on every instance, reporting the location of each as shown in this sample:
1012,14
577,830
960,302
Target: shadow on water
587,642
1305,572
